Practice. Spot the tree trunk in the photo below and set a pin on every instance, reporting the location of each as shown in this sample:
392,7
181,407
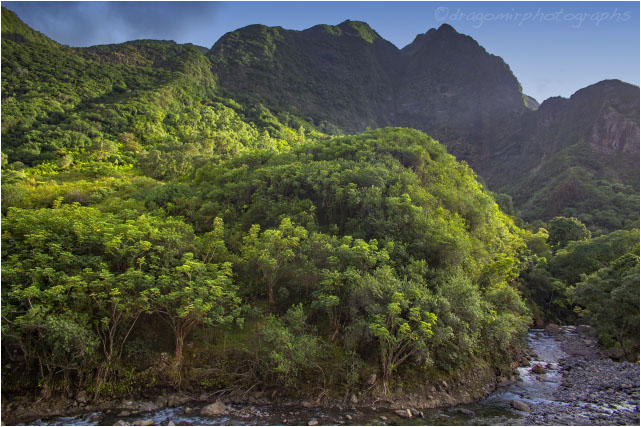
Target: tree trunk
176,369
178,355
271,293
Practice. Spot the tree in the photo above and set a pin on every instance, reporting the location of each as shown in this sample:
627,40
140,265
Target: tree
272,250
288,346
397,319
117,301
564,230
192,294
610,301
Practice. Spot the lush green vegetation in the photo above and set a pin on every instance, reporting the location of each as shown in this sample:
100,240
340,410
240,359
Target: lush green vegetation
571,278
158,234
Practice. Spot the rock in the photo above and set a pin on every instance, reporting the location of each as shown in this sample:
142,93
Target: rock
354,399
171,423
616,353
465,411
94,418
586,331
124,414
404,413
415,412
148,422
383,418
520,405
538,369
372,379
176,399
147,407
120,423
348,416
553,329
312,423
82,397
214,409
161,401
306,404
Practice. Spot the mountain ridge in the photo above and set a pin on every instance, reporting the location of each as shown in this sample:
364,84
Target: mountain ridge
347,78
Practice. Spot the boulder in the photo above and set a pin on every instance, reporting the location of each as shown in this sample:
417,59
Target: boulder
553,329
177,399
148,422
586,331
538,369
465,411
354,399
404,413
372,379
312,423
161,401
213,409
82,397
520,405
616,353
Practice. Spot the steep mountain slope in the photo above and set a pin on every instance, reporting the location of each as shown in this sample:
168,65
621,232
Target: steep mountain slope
447,85
453,89
339,74
145,99
577,157
348,76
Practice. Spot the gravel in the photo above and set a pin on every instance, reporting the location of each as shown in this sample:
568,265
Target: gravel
595,390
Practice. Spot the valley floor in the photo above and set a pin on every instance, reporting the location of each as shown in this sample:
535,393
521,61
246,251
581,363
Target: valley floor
591,389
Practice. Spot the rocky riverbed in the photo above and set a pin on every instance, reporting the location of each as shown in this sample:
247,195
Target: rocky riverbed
595,390
566,381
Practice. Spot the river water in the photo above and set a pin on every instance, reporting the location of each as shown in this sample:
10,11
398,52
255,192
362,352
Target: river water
493,410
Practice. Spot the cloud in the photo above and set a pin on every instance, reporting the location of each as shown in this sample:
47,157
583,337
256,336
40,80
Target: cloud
89,23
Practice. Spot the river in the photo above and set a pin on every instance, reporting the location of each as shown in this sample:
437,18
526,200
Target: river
496,409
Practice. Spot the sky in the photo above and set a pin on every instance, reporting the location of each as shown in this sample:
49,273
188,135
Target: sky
553,48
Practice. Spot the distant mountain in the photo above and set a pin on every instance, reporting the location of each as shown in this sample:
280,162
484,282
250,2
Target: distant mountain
342,75
446,84
443,83
577,156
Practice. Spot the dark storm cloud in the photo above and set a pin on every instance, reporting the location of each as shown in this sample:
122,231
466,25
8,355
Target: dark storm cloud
88,23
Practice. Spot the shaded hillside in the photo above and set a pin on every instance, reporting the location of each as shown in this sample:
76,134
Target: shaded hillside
342,75
443,83
577,157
